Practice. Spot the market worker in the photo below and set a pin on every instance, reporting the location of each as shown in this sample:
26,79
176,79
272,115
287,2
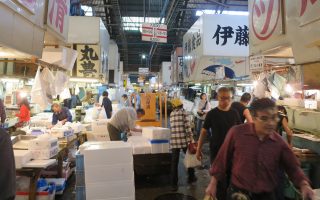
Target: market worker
107,104
2,112
283,124
242,109
24,114
255,153
7,167
219,120
122,121
181,136
60,114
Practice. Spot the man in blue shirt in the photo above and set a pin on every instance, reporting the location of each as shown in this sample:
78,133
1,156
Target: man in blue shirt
60,114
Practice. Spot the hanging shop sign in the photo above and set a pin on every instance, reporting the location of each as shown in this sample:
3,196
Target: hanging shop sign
143,70
57,18
154,32
180,68
256,63
226,35
216,47
88,62
266,19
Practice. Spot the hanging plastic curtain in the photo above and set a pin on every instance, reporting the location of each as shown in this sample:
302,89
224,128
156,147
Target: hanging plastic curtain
37,94
60,82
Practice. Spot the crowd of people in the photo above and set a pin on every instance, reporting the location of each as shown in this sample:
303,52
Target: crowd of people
248,156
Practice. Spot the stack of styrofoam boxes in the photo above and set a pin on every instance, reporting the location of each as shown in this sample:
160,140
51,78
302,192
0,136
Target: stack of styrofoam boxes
44,147
158,138
99,130
109,171
140,145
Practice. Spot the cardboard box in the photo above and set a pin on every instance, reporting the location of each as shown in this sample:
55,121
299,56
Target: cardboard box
112,152
156,133
109,173
110,190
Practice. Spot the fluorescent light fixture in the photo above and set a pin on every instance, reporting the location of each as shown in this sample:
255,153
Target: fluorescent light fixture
143,56
197,84
225,12
11,80
84,80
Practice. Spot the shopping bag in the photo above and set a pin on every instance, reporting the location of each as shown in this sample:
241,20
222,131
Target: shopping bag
190,160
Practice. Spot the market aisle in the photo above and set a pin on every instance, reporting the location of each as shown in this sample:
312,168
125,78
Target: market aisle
149,188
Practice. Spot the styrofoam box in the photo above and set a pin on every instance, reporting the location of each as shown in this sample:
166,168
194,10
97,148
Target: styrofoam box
44,154
107,173
153,133
100,126
37,144
21,157
85,145
61,132
112,152
141,148
160,148
110,190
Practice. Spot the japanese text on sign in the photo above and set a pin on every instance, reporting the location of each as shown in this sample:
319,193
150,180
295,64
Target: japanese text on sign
60,8
193,43
240,35
88,60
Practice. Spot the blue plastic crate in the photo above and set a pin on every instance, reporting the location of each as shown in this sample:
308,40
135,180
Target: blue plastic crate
80,193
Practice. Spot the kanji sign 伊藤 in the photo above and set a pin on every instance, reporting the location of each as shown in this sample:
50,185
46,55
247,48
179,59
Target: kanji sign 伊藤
154,32
88,62
57,19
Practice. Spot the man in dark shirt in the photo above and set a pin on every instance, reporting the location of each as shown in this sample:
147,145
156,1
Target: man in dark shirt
7,167
107,104
257,153
2,112
60,114
242,109
219,120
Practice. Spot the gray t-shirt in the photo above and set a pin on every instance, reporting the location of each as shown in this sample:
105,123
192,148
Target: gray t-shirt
124,119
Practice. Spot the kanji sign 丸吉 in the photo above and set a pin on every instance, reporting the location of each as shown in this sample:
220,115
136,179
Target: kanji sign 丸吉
265,18
154,32
226,35
57,19
88,62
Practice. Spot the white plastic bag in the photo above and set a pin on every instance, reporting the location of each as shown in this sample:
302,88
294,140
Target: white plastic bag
190,160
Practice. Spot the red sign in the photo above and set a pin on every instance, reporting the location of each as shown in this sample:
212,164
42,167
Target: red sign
304,4
265,17
59,9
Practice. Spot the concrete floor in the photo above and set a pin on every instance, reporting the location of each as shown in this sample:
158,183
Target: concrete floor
150,187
